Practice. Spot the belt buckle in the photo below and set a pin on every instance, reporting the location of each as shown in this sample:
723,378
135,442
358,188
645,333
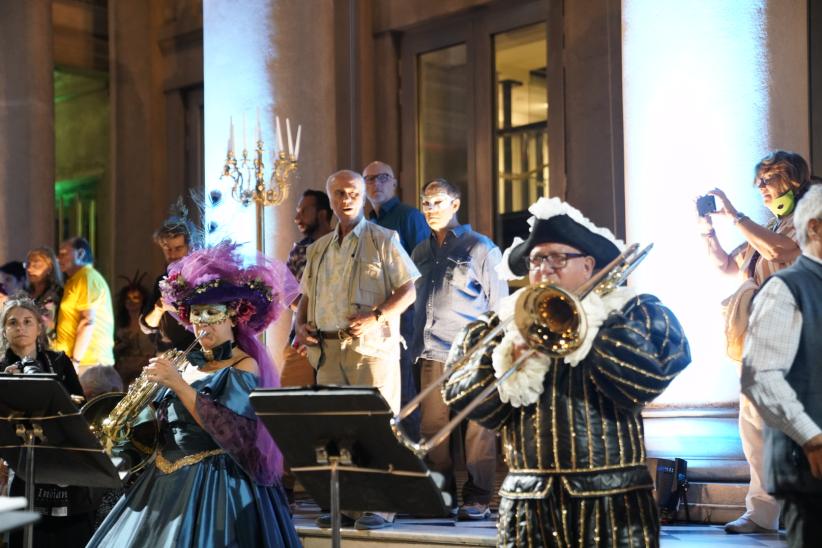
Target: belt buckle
345,337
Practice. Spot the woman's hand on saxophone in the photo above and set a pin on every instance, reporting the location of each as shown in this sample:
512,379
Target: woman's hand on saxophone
161,370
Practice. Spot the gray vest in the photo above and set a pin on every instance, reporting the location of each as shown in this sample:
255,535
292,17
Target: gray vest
788,469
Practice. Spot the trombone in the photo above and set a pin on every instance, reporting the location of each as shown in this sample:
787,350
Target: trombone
549,318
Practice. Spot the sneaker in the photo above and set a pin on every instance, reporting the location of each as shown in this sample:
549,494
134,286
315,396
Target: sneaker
369,521
323,521
473,512
745,526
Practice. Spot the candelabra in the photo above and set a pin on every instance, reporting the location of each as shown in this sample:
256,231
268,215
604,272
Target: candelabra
248,175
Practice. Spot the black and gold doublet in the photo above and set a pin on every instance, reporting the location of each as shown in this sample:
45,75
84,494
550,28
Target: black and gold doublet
576,458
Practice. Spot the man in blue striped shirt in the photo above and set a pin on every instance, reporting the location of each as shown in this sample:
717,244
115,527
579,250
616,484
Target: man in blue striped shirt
458,282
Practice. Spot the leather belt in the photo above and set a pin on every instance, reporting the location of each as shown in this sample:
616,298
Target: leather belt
341,334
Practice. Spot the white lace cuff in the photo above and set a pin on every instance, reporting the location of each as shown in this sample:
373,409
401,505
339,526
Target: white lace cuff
524,387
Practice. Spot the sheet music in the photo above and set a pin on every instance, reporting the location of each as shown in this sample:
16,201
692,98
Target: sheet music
12,503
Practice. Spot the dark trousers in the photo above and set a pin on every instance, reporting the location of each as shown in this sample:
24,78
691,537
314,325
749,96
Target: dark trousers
58,532
408,379
803,520
558,520
478,444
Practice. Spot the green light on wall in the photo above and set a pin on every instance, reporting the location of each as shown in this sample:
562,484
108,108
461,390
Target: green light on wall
67,189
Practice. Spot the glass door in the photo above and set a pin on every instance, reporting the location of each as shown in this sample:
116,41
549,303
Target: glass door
474,110
443,120
521,126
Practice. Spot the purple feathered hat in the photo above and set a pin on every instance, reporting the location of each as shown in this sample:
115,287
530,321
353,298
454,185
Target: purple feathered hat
255,293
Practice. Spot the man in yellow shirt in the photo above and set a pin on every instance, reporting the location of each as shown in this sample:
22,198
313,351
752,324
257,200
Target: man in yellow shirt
85,323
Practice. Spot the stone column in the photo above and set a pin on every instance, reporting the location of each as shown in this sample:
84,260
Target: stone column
26,128
136,195
276,57
709,89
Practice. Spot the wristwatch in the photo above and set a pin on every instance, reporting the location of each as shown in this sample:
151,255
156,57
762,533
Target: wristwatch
739,217
377,313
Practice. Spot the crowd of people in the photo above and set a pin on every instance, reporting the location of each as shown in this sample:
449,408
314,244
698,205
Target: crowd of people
392,297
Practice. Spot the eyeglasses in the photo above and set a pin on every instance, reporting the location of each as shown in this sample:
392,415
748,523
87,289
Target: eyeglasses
554,260
435,202
381,178
765,181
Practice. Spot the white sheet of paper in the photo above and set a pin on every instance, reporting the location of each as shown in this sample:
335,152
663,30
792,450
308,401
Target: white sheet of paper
12,503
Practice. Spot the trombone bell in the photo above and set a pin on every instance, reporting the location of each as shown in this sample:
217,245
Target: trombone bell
550,319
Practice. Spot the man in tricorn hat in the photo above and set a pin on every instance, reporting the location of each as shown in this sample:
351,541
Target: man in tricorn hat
571,427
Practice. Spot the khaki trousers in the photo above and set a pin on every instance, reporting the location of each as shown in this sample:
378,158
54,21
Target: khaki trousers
761,507
345,367
296,369
479,445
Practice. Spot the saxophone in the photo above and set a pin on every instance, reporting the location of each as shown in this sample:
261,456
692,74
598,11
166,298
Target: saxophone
125,423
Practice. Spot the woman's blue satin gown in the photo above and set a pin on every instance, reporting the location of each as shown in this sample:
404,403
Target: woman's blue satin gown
211,503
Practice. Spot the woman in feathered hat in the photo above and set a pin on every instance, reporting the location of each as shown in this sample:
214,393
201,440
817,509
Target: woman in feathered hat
215,479
571,426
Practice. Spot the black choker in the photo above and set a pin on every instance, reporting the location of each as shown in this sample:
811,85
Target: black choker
221,352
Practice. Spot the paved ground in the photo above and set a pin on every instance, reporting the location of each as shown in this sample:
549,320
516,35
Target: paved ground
444,532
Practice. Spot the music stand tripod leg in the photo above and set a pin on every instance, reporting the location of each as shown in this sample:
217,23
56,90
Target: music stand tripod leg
334,492
28,435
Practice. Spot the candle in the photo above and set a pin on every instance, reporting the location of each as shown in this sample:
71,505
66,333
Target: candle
290,142
279,136
230,135
297,149
244,143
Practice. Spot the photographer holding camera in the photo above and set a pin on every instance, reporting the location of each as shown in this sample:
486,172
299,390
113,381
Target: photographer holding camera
782,178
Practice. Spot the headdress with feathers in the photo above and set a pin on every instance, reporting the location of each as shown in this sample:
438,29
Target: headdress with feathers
256,292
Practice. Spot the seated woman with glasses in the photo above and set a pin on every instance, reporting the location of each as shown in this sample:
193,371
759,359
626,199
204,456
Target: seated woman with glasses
67,512
215,480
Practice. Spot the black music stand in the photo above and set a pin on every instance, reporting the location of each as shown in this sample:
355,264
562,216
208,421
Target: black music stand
339,442
36,413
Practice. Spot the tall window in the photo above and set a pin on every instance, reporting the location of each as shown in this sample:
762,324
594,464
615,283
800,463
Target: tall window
521,126
443,120
474,98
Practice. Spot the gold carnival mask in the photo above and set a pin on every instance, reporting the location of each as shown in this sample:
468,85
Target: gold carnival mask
208,314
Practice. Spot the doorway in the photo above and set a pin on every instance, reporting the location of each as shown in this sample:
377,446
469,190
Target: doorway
475,94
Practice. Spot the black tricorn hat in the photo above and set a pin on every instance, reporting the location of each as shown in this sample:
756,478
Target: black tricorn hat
555,221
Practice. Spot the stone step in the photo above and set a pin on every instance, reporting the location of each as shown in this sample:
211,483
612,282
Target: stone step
707,438
716,503
708,503
404,534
